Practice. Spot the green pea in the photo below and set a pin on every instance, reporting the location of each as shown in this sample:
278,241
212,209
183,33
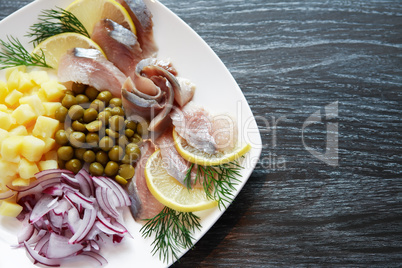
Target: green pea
78,126
96,169
89,156
76,112
61,113
126,171
81,98
111,169
91,93
115,102
77,139
61,137
105,96
90,115
79,153
102,157
65,153
116,153
68,101
106,143
116,122
74,165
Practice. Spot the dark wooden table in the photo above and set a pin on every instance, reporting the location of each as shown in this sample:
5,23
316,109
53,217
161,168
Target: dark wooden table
339,62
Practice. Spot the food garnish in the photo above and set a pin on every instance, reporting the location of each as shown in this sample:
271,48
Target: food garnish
13,53
172,230
53,22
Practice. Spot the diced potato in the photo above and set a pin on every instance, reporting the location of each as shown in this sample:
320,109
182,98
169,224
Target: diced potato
27,169
8,169
6,180
18,131
47,164
3,134
53,90
39,77
10,209
21,68
20,182
24,114
12,98
32,148
45,127
50,108
6,120
35,102
3,108
49,144
3,90
25,82
13,79
11,148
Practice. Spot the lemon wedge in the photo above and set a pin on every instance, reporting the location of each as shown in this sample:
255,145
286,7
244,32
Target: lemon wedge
56,46
172,193
90,12
198,157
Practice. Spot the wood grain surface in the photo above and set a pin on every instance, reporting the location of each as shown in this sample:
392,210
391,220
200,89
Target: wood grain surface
292,59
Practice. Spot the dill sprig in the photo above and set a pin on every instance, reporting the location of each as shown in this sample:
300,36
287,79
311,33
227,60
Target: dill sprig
219,182
53,22
173,231
13,53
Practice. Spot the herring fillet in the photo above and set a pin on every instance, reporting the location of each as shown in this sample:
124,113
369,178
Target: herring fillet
143,204
90,67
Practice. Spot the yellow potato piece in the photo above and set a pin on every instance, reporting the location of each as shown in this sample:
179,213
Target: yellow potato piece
32,148
45,127
24,114
27,169
11,148
10,209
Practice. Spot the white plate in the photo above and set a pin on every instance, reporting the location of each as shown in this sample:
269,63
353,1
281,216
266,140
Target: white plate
216,90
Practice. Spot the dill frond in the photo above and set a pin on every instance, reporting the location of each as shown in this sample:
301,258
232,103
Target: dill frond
13,53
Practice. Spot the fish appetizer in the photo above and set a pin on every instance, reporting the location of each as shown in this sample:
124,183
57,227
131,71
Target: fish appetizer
93,123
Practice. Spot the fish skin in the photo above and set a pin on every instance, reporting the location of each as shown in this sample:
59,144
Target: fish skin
119,44
142,19
194,124
143,204
90,67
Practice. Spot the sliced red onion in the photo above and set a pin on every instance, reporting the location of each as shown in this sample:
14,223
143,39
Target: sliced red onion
7,194
85,226
59,247
40,259
44,205
68,214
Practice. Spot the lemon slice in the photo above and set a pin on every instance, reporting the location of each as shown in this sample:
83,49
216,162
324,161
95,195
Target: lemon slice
198,157
56,46
90,12
172,193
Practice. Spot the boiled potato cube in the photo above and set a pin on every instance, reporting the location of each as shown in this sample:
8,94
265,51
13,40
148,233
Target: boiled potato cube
39,77
13,79
13,97
6,120
3,134
48,164
3,108
20,182
20,68
27,169
10,209
53,90
3,90
24,114
35,102
18,131
32,148
49,144
11,148
25,83
8,169
45,127
50,108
